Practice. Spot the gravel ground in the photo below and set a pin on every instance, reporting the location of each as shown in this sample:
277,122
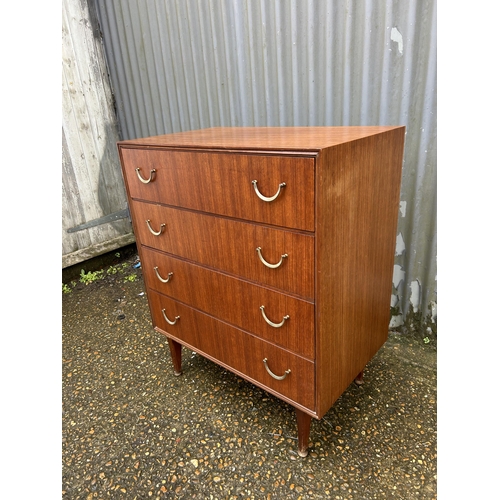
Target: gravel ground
132,430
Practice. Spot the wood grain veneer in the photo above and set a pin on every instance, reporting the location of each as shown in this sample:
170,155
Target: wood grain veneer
237,350
233,300
222,184
295,139
357,210
335,220
210,240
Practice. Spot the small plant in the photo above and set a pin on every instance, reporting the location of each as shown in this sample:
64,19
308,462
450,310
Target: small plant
130,277
112,270
66,288
117,255
90,277
426,340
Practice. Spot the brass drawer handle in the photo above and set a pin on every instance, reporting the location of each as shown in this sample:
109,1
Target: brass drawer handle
266,198
168,320
141,178
163,280
276,325
156,233
272,374
272,266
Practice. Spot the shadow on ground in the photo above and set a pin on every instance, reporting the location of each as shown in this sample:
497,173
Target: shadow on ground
132,430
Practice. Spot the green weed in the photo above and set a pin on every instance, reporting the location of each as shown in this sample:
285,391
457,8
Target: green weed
90,277
112,270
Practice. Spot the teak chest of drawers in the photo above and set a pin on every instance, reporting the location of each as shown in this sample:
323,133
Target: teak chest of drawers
270,251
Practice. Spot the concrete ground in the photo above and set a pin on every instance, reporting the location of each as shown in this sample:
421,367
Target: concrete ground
132,430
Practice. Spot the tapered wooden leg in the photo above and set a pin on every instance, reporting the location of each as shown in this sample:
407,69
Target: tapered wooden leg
176,353
359,379
304,427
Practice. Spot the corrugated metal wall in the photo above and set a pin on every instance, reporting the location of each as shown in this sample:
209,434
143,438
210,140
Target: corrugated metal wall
92,185
186,64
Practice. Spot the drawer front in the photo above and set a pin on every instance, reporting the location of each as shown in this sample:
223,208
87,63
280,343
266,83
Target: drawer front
233,300
230,245
237,350
221,183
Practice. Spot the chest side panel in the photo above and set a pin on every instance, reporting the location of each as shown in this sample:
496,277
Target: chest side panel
358,200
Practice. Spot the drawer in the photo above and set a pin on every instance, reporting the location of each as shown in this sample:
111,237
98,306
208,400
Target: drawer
230,246
234,300
237,350
221,183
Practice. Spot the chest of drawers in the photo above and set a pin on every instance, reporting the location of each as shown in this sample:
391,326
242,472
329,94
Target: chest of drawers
270,251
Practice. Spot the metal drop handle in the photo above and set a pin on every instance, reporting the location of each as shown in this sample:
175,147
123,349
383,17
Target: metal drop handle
141,178
170,322
275,325
156,233
268,198
271,266
163,280
277,377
